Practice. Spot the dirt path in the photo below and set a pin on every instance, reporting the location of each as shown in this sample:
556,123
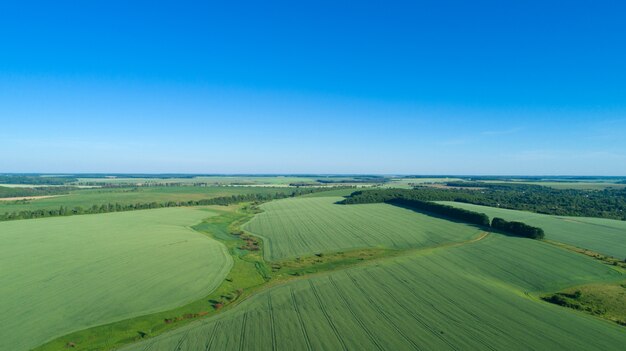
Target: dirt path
27,197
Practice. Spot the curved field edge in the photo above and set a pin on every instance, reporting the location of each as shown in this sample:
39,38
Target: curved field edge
471,296
241,281
296,227
607,236
97,269
129,329
249,274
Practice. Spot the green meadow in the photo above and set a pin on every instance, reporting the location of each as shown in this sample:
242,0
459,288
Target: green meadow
59,275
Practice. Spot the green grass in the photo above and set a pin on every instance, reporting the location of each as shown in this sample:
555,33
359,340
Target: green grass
477,296
59,275
607,300
304,226
606,236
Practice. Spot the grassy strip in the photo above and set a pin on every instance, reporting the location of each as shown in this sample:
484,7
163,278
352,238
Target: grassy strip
621,264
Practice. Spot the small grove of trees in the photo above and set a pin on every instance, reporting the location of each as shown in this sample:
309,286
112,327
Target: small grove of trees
517,228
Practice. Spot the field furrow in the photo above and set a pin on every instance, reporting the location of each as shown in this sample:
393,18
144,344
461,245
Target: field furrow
64,274
304,226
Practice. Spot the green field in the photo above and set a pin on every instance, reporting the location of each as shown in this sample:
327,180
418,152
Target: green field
478,296
606,236
408,183
213,180
59,275
304,226
352,277
86,198
275,181
576,185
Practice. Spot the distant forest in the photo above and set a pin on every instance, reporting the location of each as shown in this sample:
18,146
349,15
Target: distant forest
609,203
34,179
6,192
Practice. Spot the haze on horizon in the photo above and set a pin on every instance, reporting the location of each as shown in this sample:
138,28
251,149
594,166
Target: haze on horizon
427,87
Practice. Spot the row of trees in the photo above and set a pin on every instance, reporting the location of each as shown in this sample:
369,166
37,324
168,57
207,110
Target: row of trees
609,203
517,228
398,198
117,207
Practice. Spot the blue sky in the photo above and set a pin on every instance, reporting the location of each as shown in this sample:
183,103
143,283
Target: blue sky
420,87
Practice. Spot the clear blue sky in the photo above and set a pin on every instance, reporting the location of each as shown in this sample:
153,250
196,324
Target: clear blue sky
424,87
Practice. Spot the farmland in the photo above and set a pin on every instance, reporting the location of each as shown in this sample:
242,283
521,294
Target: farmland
598,234
301,272
474,296
86,198
65,274
304,226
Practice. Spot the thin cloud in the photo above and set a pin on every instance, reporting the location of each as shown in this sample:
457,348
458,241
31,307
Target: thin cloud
502,132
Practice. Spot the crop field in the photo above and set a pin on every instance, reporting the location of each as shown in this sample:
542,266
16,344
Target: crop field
88,197
276,181
63,274
304,226
477,296
325,276
408,183
577,185
606,236
212,180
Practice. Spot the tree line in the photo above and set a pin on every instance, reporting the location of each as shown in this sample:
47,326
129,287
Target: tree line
396,198
608,203
117,207
34,179
38,191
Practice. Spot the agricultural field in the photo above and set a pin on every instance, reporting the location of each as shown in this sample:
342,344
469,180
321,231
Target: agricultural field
222,180
408,183
576,185
300,273
605,236
59,275
305,226
481,295
86,198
